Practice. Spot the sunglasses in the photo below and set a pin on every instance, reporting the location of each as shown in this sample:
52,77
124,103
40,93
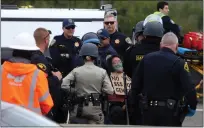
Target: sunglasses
107,23
46,36
70,27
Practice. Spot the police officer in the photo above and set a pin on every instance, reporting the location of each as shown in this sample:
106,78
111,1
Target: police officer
168,23
153,31
118,40
64,48
90,82
163,79
105,49
42,38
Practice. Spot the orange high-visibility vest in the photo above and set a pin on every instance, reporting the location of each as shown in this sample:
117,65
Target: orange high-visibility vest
25,85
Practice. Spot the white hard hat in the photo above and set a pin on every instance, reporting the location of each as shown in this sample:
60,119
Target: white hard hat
24,41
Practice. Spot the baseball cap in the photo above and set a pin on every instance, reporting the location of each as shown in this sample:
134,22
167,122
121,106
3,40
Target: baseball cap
67,23
103,33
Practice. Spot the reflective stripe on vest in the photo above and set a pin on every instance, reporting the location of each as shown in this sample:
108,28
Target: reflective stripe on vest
32,90
159,14
152,18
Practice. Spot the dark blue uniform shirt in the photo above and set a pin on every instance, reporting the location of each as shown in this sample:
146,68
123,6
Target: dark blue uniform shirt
163,75
134,54
64,53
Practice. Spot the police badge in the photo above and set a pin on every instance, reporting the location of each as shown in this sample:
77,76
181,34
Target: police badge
70,20
117,41
76,44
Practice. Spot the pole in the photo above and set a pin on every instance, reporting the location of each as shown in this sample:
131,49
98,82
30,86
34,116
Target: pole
126,95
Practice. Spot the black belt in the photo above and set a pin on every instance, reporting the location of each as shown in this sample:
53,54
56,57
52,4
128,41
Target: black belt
168,103
157,103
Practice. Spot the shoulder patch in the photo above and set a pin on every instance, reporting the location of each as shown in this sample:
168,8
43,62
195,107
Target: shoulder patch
128,40
186,67
42,66
52,42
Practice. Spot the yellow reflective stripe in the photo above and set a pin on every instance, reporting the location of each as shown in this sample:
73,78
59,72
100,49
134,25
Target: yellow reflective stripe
44,97
159,14
32,90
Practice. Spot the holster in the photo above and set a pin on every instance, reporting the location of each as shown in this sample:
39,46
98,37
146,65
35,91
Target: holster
96,99
80,106
181,110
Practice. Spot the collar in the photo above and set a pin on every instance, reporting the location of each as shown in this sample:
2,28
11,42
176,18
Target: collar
89,63
113,33
65,37
165,49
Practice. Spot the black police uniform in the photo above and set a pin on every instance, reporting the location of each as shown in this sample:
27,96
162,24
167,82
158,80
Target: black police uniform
135,53
54,83
169,26
64,53
119,42
162,76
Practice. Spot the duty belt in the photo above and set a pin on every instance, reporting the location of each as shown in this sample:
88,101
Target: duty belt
170,103
94,98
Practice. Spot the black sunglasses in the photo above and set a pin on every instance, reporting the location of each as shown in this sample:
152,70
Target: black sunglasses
70,27
107,23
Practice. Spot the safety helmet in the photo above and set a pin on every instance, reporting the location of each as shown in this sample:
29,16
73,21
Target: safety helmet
153,29
91,37
139,28
24,41
89,49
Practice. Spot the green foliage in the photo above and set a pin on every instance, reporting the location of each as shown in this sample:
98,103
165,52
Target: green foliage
188,14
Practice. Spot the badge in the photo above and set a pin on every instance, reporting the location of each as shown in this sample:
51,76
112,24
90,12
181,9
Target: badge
117,41
186,67
128,40
76,44
42,66
70,20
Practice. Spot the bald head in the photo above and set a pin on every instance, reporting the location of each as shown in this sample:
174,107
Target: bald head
170,40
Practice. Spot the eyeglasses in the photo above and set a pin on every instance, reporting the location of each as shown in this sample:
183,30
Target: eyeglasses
107,23
70,27
46,36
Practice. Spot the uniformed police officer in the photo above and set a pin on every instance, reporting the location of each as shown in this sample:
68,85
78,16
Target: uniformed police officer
42,38
90,82
153,31
163,79
118,40
64,48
